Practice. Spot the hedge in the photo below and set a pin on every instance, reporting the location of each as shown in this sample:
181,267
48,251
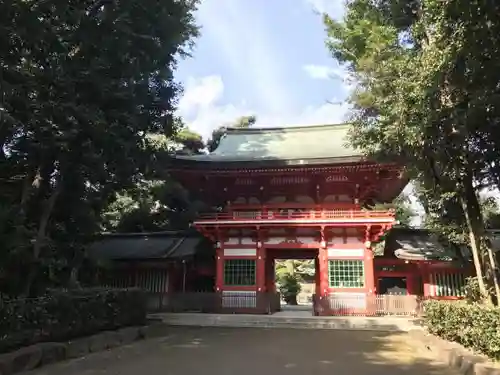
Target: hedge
472,325
65,315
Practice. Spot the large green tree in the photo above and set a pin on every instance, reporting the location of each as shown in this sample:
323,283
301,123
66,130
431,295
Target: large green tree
82,85
427,97
156,202
402,207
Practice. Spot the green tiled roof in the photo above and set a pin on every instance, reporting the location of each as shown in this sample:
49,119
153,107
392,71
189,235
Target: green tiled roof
295,145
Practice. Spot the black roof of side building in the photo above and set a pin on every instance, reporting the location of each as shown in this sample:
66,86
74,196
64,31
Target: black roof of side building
174,245
420,244
280,146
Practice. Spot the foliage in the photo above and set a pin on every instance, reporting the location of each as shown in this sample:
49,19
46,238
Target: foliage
472,290
302,268
444,214
289,275
66,315
289,287
427,98
156,202
83,85
217,134
402,207
192,142
473,325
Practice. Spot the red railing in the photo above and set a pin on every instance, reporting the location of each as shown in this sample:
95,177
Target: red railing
290,214
269,303
373,305
215,302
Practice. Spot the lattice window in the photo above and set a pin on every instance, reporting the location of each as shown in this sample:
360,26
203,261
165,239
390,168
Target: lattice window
345,273
239,272
448,285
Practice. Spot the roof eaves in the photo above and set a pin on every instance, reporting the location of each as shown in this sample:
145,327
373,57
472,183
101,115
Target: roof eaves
234,162
174,248
287,129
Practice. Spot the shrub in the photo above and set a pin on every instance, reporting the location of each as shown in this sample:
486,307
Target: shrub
472,290
472,325
289,288
64,315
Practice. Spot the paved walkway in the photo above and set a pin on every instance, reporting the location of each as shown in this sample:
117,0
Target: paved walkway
250,351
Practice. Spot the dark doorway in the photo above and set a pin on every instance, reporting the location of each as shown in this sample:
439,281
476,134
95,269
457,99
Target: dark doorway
395,286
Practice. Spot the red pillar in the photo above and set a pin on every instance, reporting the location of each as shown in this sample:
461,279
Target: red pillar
322,293
426,279
370,286
219,270
323,271
410,283
261,269
270,287
317,276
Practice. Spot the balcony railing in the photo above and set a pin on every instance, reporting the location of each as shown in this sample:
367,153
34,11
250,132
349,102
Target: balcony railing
290,214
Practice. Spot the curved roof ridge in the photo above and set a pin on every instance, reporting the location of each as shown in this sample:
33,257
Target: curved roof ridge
283,129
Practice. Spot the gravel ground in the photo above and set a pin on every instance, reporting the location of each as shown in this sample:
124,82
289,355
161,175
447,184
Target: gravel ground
255,351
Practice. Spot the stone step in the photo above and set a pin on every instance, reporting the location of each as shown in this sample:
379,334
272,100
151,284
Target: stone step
272,321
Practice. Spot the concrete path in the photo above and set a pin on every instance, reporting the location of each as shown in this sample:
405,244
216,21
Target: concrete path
250,351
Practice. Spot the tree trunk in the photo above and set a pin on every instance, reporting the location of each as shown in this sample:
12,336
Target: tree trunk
290,266
493,271
291,300
39,241
73,282
475,225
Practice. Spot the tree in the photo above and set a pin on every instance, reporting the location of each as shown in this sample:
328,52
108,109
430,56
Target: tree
289,275
83,83
427,97
156,202
192,142
402,207
289,287
242,122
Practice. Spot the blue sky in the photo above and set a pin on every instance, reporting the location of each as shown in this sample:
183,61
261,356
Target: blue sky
266,58
262,57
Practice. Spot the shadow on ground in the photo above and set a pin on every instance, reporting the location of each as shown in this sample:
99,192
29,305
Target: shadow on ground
247,351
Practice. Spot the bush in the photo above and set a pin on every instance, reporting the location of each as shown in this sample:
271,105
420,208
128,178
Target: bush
289,288
64,315
472,325
472,290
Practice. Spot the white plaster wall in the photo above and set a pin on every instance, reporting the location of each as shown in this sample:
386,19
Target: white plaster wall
240,252
247,241
333,253
347,300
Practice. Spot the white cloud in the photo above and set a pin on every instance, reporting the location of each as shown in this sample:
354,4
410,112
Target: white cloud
318,71
323,71
203,110
337,74
200,94
246,43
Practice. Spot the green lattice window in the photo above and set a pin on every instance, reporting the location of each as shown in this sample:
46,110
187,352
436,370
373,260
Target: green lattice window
240,272
345,273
